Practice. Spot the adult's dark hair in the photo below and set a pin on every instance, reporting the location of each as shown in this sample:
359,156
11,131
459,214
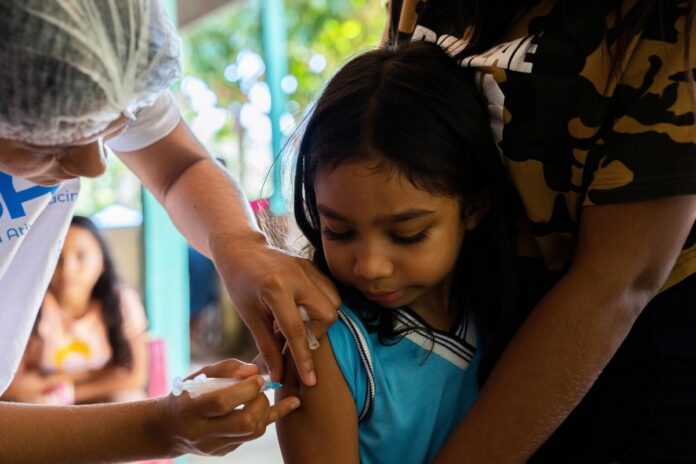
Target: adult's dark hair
106,291
420,111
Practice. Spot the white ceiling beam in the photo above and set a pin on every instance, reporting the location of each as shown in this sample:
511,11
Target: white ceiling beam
191,11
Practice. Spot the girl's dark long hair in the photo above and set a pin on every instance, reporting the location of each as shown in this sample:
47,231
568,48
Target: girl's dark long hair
107,292
420,111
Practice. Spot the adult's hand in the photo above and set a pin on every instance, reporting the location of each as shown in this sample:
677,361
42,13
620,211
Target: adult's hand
218,422
268,284
214,423
208,207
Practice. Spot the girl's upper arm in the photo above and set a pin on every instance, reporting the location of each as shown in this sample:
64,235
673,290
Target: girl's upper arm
325,427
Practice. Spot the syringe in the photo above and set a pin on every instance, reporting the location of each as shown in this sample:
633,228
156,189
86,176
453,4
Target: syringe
311,338
201,384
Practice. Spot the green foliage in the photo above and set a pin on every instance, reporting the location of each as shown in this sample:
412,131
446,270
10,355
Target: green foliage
335,29
116,185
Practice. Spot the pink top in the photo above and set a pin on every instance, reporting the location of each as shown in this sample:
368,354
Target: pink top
80,344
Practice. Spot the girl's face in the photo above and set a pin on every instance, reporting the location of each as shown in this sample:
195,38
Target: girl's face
80,264
48,165
395,243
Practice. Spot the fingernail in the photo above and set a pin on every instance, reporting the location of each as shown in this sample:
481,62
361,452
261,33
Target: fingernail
243,371
245,368
294,405
311,378
260,381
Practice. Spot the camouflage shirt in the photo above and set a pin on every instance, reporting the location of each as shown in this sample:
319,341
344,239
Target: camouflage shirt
570,134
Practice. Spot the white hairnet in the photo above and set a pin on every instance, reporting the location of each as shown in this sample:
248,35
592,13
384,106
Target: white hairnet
68,68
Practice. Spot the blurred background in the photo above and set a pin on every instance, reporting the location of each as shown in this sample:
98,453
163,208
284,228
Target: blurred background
251,72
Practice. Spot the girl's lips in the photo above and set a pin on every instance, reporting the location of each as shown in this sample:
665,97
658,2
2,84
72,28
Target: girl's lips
384,297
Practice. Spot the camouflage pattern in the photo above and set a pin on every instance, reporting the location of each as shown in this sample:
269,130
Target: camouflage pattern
573,134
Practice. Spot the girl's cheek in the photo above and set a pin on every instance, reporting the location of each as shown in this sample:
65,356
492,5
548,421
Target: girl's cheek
331,261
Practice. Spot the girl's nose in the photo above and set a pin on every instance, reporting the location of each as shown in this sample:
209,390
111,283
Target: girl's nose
372,263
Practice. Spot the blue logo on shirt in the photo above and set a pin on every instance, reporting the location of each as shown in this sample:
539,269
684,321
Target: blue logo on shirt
14,200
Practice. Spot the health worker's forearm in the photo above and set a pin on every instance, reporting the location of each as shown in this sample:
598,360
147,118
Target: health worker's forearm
204,202
81,434
207,207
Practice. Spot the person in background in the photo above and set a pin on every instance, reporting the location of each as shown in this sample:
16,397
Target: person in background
89,341
204,301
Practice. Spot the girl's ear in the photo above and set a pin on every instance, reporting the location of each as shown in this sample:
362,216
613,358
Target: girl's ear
473,215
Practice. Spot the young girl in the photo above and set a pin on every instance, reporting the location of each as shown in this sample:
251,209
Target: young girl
89,340
407,215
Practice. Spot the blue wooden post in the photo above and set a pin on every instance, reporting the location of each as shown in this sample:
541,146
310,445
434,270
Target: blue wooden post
166,277
275,53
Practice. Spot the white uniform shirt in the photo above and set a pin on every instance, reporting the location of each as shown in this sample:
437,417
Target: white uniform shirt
33,224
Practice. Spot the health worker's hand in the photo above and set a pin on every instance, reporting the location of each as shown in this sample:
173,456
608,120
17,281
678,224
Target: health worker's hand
268,284
215,423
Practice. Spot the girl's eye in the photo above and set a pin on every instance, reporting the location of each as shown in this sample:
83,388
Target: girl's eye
411,239
331,235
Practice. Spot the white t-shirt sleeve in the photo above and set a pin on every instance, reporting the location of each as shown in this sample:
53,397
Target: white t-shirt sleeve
152,124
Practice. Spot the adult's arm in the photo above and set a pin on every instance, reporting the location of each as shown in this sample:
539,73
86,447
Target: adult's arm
109,433
210,424
210,210
624,255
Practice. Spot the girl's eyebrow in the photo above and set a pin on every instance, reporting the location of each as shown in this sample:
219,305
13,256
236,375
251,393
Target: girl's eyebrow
408,215
328,212
398,217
